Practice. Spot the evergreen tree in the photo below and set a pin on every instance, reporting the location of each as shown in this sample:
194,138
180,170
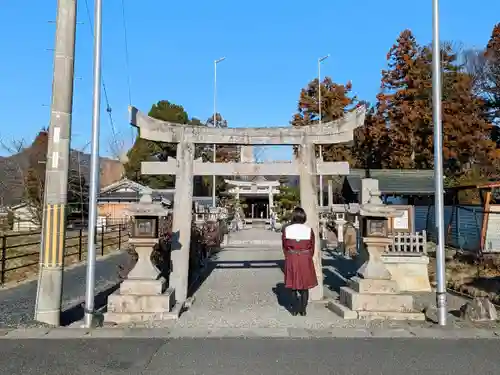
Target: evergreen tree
287,199
403,103
405,108
146,150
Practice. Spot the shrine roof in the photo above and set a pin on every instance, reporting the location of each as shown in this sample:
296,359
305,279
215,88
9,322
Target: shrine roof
395,181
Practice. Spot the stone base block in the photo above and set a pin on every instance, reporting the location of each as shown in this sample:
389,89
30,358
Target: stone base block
143,287
346,313
138,317
375,302
409,271
341,310
123,303
390,315
370,286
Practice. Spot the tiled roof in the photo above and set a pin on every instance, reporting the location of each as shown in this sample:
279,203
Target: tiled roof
130,196
395,181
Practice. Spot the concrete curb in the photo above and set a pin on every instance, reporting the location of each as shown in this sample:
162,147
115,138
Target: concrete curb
288,333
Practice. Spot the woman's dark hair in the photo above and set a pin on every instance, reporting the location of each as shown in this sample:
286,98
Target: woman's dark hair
299,216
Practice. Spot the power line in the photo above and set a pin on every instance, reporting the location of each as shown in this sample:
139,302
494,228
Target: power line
127,62
127,59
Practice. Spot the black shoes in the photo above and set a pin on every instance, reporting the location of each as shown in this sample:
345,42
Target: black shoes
299,303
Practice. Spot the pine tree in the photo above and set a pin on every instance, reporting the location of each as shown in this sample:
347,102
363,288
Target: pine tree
146,150
224,153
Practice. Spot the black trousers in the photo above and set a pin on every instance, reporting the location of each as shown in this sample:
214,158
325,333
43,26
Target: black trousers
301,297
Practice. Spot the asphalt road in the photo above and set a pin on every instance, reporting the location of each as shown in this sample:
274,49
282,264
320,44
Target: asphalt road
17,304
257,356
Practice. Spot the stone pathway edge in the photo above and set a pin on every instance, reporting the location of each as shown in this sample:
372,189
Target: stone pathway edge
303,333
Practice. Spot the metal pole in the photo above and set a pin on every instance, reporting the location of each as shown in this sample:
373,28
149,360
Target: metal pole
94,168
49,290
215,122
215,119
438,166
319,91
320,113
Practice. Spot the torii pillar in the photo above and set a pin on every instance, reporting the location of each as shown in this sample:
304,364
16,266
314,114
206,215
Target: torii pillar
309,202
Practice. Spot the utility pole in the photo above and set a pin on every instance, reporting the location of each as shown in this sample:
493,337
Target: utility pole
320,114
50,280
438,166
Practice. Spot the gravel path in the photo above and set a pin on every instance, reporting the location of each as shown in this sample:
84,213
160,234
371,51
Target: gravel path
17,303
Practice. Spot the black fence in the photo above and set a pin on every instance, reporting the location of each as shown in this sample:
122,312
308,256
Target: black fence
20,252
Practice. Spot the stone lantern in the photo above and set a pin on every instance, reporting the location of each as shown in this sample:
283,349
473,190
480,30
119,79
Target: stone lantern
371,293
374,221
143,295
340,223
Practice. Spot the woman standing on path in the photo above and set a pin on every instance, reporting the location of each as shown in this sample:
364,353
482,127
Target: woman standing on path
298,247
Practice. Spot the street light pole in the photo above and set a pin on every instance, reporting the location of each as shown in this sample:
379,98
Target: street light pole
320,60
215,122
94,168
438,166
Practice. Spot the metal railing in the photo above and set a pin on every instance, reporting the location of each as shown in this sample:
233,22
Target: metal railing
20,252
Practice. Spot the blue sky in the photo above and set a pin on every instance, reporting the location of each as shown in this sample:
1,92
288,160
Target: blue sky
271,47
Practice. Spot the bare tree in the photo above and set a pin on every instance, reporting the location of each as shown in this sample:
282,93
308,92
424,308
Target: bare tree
483,66
23,184
23,181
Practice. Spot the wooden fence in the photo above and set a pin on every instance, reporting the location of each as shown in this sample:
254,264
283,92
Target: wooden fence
20,252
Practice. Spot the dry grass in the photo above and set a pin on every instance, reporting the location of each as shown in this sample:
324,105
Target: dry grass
471,276
23,250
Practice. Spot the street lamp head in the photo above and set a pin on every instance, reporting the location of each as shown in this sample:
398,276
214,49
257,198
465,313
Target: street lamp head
323,58
219,60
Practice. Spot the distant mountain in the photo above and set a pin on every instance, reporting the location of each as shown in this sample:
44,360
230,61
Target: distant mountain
12,167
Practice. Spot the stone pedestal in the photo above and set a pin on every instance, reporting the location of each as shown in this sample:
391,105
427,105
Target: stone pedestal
143,296
371,294
410,271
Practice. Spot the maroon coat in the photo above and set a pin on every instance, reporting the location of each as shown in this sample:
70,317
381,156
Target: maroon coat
298,247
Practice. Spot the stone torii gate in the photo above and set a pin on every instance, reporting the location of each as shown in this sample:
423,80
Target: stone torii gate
184,167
